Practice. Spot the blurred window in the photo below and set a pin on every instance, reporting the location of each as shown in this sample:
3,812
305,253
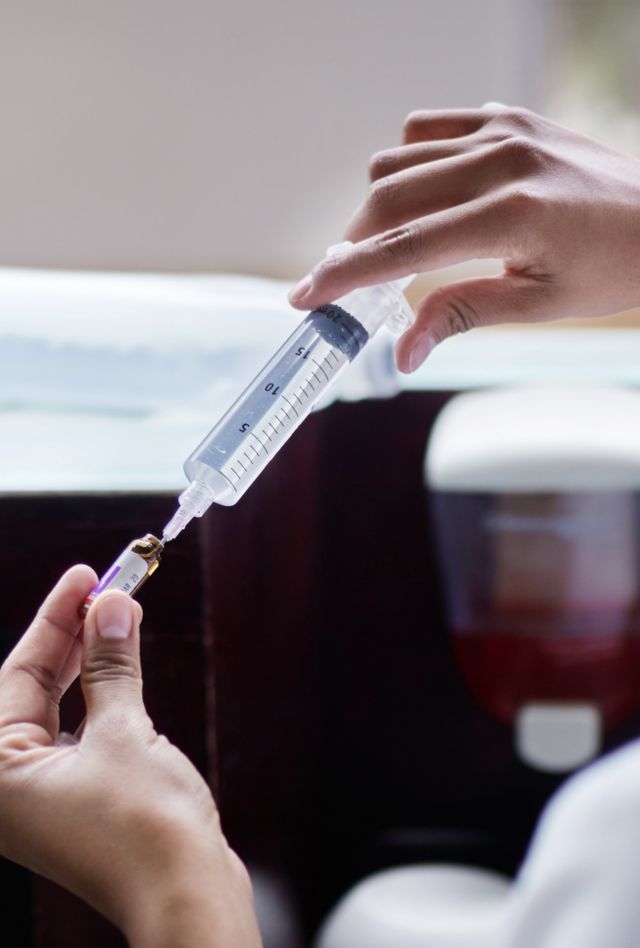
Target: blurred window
594,80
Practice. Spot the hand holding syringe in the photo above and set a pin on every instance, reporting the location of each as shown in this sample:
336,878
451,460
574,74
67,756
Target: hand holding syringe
265,416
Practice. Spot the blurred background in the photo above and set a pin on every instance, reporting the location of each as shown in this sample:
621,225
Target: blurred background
191,135
148,148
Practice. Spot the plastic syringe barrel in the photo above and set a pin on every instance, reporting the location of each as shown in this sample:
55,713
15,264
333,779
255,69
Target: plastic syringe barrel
263,418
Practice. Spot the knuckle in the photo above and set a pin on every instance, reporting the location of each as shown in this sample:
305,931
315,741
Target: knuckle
15,740
328,269
492,135
522,153
44,678
110,666
518,118
458,314
381,199
521,202
493,108
403,242
381,194
381,164
414,122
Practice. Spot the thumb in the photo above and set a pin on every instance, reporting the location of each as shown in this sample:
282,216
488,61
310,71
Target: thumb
456,308
111,676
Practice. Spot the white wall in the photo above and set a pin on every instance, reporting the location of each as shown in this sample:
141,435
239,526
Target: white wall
196,135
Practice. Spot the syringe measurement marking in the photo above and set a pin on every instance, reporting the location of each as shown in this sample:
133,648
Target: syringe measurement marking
261,443
315,362
282,418
303,393
291,406
278,421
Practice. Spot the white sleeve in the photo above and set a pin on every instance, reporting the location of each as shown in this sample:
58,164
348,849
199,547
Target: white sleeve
580,884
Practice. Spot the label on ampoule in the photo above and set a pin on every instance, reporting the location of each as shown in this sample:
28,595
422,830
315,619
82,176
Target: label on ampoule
126,575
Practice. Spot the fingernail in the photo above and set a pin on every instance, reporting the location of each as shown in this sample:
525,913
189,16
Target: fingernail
421,348
113,618
301,289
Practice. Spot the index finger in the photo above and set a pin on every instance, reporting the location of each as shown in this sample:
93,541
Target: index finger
29,679
466,232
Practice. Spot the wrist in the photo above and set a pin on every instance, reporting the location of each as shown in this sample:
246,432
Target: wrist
207,904
186,919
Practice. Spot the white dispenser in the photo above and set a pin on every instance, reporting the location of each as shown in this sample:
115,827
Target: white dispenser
535,500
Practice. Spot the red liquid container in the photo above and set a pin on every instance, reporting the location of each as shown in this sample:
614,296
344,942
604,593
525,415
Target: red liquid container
542,596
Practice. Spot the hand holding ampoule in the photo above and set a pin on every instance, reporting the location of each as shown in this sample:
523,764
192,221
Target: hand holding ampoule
90,812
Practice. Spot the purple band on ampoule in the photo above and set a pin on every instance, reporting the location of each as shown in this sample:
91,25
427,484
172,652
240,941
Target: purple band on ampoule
106,579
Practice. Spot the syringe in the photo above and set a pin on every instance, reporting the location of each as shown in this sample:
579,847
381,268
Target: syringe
264,417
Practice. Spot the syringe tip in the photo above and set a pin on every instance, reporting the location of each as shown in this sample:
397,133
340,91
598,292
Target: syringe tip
176,525
194,501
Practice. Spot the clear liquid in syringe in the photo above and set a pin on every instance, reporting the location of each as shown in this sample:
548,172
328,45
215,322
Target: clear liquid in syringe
262,419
